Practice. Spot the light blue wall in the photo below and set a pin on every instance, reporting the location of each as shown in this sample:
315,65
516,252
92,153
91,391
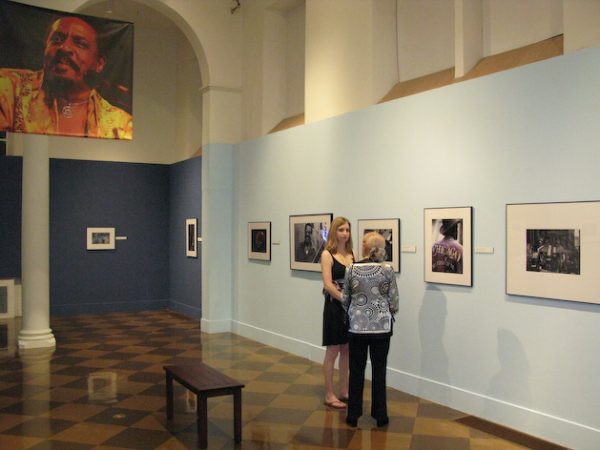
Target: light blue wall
525,135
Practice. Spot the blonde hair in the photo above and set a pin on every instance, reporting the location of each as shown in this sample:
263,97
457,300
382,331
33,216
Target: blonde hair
375,244
331,245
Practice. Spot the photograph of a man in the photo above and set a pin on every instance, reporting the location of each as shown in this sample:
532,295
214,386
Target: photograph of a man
310,242
447,251
305,250
63,97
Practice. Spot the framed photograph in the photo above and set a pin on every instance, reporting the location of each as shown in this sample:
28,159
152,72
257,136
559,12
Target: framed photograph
308,236
259,240
448,245
552,250
100,238
191,238
390,230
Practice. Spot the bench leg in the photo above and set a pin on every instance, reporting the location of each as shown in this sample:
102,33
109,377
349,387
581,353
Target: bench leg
169,396
202,412
237,415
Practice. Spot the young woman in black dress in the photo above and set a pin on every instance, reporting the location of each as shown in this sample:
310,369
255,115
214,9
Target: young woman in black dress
336,257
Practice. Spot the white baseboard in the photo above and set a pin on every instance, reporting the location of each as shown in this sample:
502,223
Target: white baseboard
215,326
536,423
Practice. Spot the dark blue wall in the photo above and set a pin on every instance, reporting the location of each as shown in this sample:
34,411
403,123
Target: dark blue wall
185,188
147,203
132,198
11,170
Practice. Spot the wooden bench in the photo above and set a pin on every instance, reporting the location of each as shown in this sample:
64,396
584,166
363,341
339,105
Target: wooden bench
204,381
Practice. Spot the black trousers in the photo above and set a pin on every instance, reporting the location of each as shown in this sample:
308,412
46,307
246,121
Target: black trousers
378,348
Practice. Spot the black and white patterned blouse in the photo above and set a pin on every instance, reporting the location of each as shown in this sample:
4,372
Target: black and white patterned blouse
370,296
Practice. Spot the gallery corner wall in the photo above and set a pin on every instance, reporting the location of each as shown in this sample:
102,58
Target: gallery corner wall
185,202
132,198
526,135
147,204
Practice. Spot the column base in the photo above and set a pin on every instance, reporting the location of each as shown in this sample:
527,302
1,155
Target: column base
36,339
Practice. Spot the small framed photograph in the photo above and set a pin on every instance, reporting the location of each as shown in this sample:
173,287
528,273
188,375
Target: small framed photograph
191,238
100,238
259,240
552,250
308,236
448,245
390,230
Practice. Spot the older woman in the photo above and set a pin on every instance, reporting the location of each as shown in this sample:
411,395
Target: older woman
370,295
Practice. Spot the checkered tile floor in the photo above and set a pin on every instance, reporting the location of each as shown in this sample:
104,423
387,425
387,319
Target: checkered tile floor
104,388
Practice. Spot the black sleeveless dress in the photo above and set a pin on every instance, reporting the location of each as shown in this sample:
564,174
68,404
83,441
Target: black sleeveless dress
335,327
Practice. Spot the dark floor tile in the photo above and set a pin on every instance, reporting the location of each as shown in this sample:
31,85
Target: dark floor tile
158,390
66,360
439,443
324,437
138,438
292,359
60,445
508,434
40,427
436,411
257,398
76,371
278,376
398,425
30,407
305,389
23,391
148,377
281,415
248,365
180,360
118,416
131,365
107,347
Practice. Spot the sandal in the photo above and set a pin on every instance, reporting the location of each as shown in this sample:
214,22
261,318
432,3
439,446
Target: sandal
335,404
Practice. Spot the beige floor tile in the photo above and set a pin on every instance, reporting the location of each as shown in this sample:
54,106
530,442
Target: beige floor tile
7,421
439,427
326,419
153,359
269,432
52,380
142,403
17,442
74,412
405,409
377,440
62,394
88,433
296,402
494,444
89,354
270,387
150,423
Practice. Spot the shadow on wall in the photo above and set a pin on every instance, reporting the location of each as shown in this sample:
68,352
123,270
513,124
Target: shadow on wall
434,359
511,383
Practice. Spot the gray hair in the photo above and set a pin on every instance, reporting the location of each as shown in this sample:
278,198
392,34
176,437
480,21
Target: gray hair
375,245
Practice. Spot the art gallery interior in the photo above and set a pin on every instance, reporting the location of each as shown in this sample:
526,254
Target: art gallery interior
256,110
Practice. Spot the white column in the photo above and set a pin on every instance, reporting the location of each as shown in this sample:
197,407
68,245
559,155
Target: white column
35,245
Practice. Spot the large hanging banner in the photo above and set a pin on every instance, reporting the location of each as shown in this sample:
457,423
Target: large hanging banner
65,74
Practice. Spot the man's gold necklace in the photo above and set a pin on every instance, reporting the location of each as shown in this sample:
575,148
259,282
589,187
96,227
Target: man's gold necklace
67,110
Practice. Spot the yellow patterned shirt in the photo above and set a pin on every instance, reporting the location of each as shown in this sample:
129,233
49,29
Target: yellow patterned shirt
24,109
